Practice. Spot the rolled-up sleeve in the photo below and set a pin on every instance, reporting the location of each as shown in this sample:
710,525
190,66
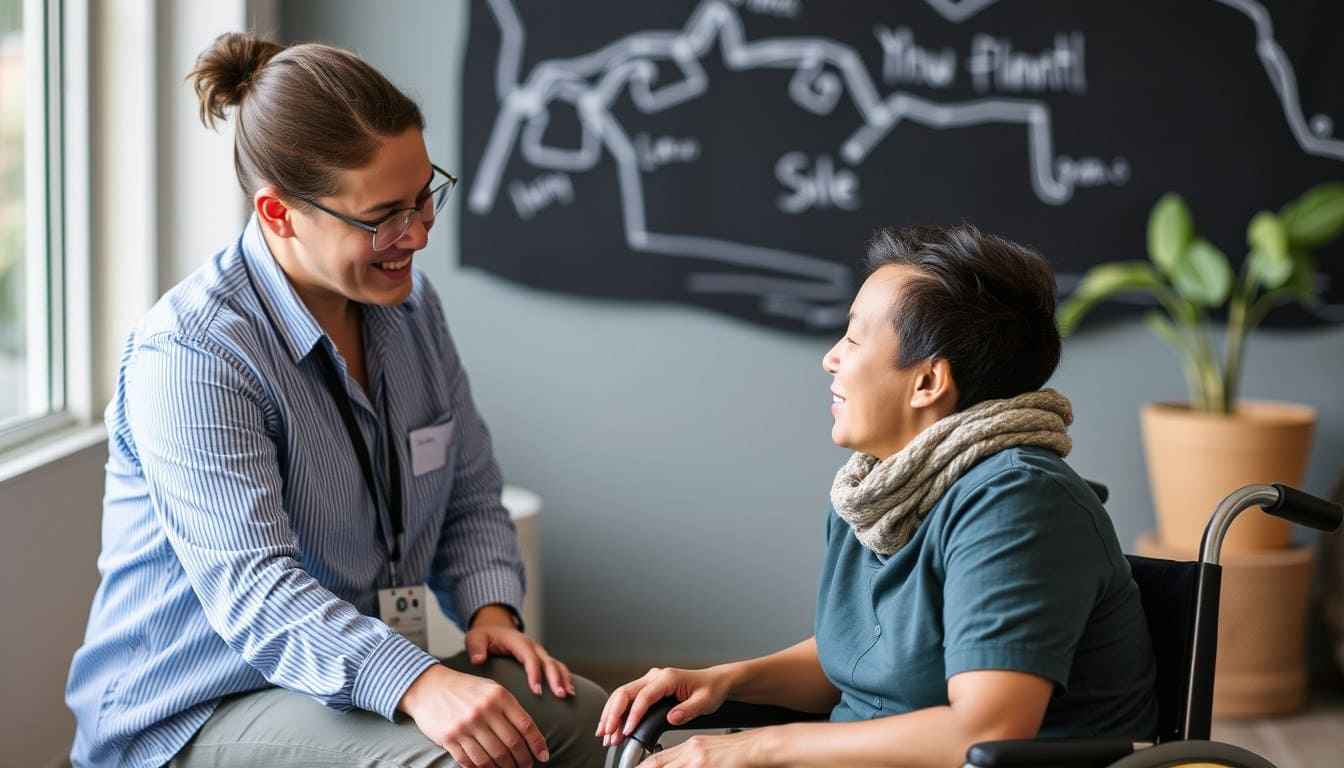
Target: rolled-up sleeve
200,421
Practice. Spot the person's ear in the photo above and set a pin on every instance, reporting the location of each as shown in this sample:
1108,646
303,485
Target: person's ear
934,385
273,212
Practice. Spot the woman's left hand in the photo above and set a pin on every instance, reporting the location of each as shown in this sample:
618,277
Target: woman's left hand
734,750
493,633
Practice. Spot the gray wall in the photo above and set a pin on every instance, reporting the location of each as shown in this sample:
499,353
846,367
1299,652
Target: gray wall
685,458
49,569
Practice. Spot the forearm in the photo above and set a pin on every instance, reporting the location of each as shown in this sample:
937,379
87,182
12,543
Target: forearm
937,737
790,678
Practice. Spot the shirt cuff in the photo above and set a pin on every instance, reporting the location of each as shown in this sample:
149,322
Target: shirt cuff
387,673
483,588
1016,658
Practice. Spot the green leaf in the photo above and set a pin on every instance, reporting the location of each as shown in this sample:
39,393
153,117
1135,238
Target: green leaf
1270,272
1270,262
1162,326
1103,280
1100,283
1070,313
1203,275
1170,231
1302,284
1317,217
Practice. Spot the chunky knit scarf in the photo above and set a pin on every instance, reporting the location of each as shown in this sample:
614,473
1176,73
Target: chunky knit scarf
885,501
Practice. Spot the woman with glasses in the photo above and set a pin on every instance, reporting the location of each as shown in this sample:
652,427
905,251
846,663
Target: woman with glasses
297,467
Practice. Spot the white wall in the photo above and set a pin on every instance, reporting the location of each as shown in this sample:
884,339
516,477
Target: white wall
199,203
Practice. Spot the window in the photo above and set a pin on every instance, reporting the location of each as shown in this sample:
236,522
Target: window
32,387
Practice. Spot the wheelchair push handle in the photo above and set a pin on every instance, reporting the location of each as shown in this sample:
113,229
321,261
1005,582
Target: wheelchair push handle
1304,509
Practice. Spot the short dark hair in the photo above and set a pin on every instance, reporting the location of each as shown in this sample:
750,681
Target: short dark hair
982,302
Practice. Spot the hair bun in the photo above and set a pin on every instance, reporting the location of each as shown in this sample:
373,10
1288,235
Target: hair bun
224,72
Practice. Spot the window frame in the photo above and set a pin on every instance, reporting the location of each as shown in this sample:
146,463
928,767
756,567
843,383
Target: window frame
47,327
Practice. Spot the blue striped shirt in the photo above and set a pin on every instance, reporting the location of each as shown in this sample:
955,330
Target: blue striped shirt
241,546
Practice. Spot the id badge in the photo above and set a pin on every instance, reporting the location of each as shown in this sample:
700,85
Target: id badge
403,609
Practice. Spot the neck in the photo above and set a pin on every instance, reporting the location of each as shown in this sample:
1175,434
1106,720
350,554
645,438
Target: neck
333,311
923,419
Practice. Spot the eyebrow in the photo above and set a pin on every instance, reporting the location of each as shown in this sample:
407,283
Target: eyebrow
390,203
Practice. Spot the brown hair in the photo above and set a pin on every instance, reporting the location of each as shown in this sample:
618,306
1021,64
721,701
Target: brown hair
302,112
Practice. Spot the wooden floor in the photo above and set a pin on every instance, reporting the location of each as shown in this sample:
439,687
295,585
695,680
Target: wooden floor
1312,739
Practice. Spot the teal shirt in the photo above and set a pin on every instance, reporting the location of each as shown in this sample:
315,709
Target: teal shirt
1017,567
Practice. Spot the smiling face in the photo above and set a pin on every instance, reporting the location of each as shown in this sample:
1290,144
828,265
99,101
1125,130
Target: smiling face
879,407
333,260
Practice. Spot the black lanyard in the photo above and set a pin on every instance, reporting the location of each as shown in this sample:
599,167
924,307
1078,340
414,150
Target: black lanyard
330,376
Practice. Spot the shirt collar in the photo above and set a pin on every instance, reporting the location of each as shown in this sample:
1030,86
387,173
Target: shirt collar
291,318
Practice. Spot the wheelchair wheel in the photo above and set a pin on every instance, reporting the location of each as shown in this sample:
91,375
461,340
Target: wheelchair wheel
1193,754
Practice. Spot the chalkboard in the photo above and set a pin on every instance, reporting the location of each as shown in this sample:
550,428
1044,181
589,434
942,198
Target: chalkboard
737,154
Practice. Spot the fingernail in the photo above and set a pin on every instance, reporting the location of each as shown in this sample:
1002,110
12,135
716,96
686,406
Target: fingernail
545,756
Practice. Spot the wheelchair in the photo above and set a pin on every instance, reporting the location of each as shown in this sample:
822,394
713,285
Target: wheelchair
1180,601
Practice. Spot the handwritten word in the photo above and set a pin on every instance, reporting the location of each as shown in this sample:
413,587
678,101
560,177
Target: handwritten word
655,153
1091,171
822,187
905,62
532,197
994,64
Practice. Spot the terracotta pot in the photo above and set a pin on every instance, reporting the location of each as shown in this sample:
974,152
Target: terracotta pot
1195,459
1261,667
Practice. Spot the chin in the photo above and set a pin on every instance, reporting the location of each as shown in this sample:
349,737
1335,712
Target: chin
838,438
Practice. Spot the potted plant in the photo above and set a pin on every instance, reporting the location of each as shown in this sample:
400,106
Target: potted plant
1197,452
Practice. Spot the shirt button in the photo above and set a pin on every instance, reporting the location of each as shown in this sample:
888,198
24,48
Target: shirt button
877,630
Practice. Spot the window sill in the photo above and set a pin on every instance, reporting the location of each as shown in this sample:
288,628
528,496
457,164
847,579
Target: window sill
24,458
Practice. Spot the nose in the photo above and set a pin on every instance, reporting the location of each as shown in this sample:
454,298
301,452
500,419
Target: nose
416,235
830,362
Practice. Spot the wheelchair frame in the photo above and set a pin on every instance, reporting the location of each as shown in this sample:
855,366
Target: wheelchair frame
1186,739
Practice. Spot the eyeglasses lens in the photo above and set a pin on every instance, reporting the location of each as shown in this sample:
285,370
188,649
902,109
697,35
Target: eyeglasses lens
391,230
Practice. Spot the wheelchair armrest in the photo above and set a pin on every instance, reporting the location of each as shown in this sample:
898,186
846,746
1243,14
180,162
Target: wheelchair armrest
1073,753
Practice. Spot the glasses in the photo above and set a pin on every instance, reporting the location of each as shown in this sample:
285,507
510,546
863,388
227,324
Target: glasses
391,227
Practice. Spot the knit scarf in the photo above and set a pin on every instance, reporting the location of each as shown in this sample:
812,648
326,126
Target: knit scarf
885,501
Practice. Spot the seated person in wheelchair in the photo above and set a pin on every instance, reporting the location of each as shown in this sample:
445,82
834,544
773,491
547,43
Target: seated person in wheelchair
973,587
